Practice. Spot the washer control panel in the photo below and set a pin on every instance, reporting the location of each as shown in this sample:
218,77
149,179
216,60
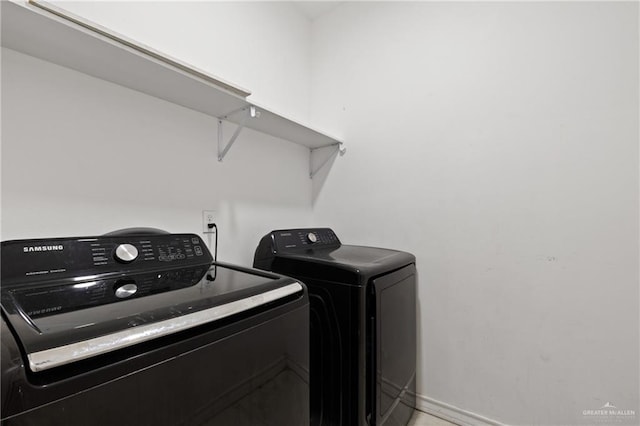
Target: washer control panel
308,238
61,257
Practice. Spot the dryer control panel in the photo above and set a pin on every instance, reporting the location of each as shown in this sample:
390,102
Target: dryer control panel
296,239
292,241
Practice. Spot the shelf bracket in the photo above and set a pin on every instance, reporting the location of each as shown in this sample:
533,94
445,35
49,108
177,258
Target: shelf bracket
337,148
222,151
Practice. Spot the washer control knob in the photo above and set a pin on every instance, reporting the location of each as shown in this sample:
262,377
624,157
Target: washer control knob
312,238
126,290
126,253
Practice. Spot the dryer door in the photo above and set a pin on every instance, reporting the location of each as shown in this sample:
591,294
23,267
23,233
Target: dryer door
395,353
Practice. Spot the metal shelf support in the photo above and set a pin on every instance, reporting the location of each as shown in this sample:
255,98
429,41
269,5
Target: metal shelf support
222,151
337,148
321,154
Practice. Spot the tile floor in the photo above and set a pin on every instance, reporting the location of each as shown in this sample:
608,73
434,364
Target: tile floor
424,419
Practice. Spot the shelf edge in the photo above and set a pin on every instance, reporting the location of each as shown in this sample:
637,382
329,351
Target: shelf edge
135,45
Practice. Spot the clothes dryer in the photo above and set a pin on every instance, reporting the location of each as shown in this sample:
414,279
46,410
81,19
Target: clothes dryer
363,324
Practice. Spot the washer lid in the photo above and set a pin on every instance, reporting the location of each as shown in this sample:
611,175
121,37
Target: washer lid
64,322
72,299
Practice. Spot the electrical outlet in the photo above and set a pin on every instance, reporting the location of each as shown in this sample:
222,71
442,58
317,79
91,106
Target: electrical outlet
208,218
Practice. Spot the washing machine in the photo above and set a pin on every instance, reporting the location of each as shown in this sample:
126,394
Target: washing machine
143,327
362,326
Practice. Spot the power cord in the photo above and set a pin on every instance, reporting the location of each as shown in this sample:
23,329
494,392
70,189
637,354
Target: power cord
213,229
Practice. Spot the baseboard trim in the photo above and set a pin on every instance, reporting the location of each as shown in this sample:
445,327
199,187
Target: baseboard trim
452,413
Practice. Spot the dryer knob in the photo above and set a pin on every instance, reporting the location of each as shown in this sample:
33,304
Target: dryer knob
312,238
126,253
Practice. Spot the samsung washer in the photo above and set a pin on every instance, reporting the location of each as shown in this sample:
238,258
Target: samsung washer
141,328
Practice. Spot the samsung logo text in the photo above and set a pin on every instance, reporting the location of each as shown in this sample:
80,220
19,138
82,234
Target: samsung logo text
32,249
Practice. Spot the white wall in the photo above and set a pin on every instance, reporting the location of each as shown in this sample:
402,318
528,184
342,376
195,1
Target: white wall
81,156
499,143
260,46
